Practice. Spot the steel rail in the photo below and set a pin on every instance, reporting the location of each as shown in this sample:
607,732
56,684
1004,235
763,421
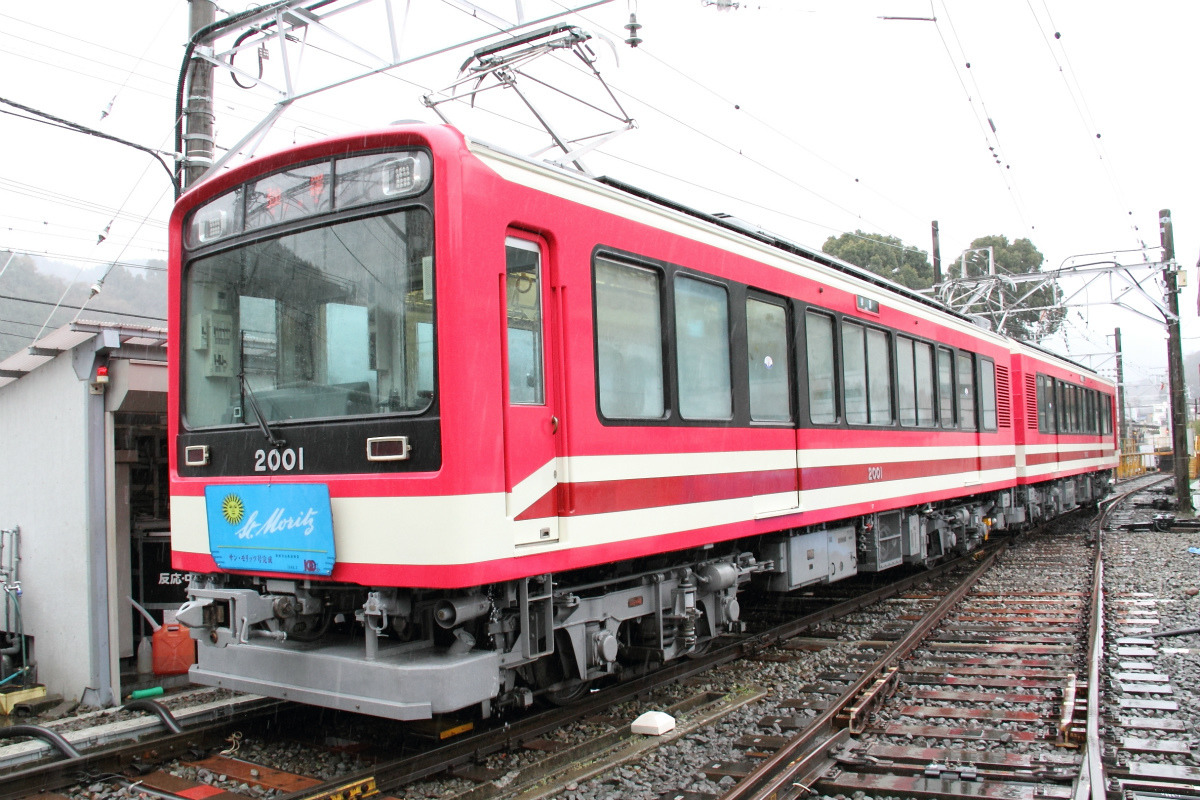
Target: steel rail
59,774
55,775
1092,783
391,775
785,768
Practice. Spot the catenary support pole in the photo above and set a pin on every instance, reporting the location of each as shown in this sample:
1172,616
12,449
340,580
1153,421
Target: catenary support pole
937,254
198,148
1122,425
1179,431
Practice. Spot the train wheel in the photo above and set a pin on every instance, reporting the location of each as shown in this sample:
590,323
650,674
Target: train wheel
557,677
570,692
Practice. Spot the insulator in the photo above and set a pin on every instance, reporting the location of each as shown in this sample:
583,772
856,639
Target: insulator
633,26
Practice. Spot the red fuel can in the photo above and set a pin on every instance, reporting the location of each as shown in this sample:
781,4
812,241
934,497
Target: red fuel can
174,650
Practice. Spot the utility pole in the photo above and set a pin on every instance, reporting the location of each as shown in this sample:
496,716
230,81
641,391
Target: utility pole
937,255
198,147
1121,424
1179,431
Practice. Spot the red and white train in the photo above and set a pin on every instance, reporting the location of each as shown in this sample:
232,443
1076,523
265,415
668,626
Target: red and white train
450,428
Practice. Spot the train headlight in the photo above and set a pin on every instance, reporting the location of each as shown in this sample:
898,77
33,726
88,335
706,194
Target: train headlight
381,176
216,219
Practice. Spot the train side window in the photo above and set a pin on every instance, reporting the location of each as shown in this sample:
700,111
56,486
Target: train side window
702,349
526,384
1046,417
770,368
914,382
1060,392
822,385
923,355
1040,398
1105,415
987,394
946,398
879,376
629,351
854,373
966,391
906,381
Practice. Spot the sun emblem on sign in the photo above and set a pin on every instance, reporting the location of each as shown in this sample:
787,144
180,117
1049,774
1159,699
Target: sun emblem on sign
233,509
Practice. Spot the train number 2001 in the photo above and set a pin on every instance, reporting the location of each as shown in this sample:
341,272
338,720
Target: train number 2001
874,473
276,460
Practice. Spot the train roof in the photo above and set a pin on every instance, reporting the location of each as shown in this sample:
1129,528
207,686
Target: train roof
742,228
787,245
753,231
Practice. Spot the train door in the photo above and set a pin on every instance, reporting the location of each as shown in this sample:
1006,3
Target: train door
531,418
968,415
769,358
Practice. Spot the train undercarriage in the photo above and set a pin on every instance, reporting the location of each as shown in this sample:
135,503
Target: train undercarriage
410,654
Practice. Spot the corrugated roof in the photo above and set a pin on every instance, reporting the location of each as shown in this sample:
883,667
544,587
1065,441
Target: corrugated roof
70,336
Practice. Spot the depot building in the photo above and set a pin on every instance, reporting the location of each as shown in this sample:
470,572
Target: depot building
84,522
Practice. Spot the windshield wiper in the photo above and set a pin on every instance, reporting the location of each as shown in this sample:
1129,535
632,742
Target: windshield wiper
248,394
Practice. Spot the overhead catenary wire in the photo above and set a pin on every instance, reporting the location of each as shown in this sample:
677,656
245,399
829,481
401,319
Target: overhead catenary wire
744,111
69,307
96,287
688,126
986,124
1079,100
73,257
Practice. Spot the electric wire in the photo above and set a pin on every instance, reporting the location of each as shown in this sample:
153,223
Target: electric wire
73,257
993,136
1075,91
728,103
133,70
89,61
739,152
59,122
167,68
67,306
652,106
141,244
49,195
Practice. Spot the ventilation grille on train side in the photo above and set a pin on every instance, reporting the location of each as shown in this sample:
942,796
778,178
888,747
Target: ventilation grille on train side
1003,398
1031,409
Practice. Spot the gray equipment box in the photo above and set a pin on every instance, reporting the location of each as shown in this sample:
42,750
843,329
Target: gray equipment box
805,558
883,544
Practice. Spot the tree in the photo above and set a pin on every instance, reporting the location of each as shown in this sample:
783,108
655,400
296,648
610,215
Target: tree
1003,301
884,255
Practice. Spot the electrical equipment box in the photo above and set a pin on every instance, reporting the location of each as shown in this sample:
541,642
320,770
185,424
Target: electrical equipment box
805,558
882,544
914,542
212,333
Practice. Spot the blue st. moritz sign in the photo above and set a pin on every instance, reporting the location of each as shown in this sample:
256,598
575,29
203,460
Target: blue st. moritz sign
271,528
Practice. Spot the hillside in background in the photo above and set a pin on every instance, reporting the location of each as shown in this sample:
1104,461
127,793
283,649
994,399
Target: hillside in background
31,288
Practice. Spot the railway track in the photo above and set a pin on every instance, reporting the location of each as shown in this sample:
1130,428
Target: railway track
461,759
980,680
1002,700
1147,713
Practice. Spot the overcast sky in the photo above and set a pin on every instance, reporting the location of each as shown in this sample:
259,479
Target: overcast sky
808,118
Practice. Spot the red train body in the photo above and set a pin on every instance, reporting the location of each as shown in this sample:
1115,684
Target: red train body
450,428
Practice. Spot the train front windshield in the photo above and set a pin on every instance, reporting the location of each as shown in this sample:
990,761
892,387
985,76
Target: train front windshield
333,321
